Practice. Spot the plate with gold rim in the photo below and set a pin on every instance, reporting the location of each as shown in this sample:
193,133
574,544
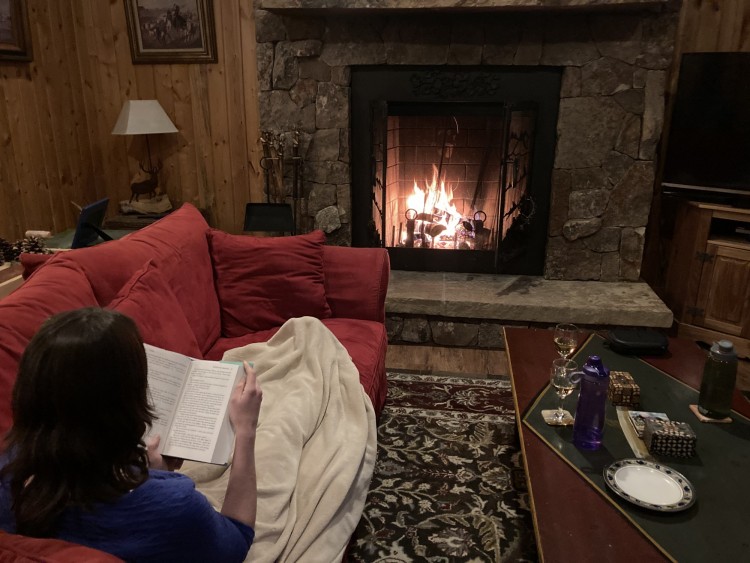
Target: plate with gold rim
650,484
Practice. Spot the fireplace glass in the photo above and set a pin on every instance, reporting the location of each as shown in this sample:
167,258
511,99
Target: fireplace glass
455,182
451,171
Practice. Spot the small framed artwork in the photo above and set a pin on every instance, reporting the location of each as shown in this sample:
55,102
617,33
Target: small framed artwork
171,31
15,41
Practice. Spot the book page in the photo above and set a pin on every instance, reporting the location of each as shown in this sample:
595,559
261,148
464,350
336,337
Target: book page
167,373
202,411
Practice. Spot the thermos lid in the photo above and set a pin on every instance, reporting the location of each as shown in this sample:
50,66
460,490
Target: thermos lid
595,367
724,348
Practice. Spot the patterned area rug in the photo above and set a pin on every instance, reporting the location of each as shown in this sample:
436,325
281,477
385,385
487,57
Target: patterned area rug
449,482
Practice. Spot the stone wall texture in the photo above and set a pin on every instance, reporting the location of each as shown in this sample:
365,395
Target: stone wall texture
615,67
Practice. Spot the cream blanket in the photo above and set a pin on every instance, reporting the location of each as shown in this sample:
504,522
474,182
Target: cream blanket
315,447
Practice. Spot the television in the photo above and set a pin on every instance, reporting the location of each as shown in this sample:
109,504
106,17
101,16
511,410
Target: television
89,227
708,147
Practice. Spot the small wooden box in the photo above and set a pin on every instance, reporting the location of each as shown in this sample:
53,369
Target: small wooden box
669,438
623,391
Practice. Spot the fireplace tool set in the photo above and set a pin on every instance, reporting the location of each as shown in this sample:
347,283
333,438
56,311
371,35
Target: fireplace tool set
274,165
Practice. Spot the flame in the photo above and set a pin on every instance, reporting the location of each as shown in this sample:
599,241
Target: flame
436,202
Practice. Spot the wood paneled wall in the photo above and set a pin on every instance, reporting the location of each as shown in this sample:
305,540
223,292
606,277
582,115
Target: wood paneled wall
57,114
714,25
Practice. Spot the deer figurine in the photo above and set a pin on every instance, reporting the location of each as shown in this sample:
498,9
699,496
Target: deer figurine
147,186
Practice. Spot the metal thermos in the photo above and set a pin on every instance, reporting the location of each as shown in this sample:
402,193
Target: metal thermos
588,428
719,377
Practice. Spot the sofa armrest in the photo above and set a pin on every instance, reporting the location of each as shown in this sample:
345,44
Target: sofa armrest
17,548
356,281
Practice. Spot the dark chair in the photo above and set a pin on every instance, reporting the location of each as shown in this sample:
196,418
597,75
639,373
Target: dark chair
269,217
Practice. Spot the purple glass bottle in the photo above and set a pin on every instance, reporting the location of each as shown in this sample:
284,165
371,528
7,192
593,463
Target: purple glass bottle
588,427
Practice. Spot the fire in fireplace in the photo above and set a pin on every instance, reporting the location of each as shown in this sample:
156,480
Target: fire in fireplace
457,177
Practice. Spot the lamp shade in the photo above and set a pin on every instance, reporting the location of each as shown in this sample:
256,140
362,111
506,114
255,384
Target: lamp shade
142,117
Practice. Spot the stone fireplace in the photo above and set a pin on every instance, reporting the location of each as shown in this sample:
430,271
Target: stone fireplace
589,202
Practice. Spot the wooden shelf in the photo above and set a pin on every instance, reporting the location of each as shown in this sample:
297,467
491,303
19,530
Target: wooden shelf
738,242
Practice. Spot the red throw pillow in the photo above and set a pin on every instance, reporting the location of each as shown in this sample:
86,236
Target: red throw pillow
151,303
264,281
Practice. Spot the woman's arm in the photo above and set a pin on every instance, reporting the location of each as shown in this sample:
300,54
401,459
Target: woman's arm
240,502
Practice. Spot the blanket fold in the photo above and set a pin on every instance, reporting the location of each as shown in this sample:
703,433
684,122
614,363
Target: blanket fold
315,447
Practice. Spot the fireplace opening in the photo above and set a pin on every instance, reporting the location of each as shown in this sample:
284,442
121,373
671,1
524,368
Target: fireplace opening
458,171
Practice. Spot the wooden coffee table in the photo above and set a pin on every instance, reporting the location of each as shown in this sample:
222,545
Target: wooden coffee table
572,520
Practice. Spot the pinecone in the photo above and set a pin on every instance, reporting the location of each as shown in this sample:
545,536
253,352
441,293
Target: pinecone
34,245
6,251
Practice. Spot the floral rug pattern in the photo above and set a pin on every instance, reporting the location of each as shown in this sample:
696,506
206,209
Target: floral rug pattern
449,483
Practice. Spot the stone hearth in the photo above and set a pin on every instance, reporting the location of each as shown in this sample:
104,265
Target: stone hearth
469,310
614,62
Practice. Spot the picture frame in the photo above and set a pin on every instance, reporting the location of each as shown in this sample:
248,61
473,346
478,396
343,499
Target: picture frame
171,31
15,39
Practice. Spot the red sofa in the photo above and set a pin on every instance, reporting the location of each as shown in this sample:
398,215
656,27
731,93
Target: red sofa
201,292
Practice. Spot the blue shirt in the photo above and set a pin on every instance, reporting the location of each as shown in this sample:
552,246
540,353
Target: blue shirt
164,519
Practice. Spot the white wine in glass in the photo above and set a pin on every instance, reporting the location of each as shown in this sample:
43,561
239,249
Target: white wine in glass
563,379
566,339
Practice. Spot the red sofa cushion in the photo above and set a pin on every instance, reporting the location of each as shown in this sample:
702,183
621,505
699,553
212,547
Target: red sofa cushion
178,247
263,281
21,549
23,311
151,303
353,295
366,342
222,345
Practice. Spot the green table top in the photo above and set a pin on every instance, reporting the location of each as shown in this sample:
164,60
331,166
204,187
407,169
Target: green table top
715,527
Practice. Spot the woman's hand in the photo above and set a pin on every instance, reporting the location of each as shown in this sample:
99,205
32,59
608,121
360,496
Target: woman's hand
240,501
244,404
156,460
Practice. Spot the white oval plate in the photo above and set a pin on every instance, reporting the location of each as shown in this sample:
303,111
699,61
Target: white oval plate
650,485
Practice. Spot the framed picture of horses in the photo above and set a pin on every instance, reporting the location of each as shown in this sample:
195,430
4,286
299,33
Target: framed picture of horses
15,41
171,31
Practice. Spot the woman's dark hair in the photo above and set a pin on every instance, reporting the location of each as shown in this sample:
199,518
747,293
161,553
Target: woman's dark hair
80,412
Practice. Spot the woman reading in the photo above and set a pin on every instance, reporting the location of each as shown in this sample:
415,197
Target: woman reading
76,466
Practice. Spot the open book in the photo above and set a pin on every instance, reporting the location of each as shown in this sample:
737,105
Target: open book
191,399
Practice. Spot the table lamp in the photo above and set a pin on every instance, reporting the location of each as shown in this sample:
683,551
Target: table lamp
144,117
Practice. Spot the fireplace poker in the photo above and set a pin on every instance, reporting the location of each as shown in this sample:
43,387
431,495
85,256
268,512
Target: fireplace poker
296,160
264,164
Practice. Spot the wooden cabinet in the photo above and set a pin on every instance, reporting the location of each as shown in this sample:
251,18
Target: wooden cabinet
708,277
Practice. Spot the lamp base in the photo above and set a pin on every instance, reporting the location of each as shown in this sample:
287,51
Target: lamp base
155,205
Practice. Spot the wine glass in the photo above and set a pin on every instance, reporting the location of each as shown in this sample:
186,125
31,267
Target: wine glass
566,339
563,379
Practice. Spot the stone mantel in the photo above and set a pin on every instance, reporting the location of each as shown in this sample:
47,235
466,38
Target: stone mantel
453,5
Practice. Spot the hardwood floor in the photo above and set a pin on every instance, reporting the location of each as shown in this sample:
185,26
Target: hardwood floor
440,360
